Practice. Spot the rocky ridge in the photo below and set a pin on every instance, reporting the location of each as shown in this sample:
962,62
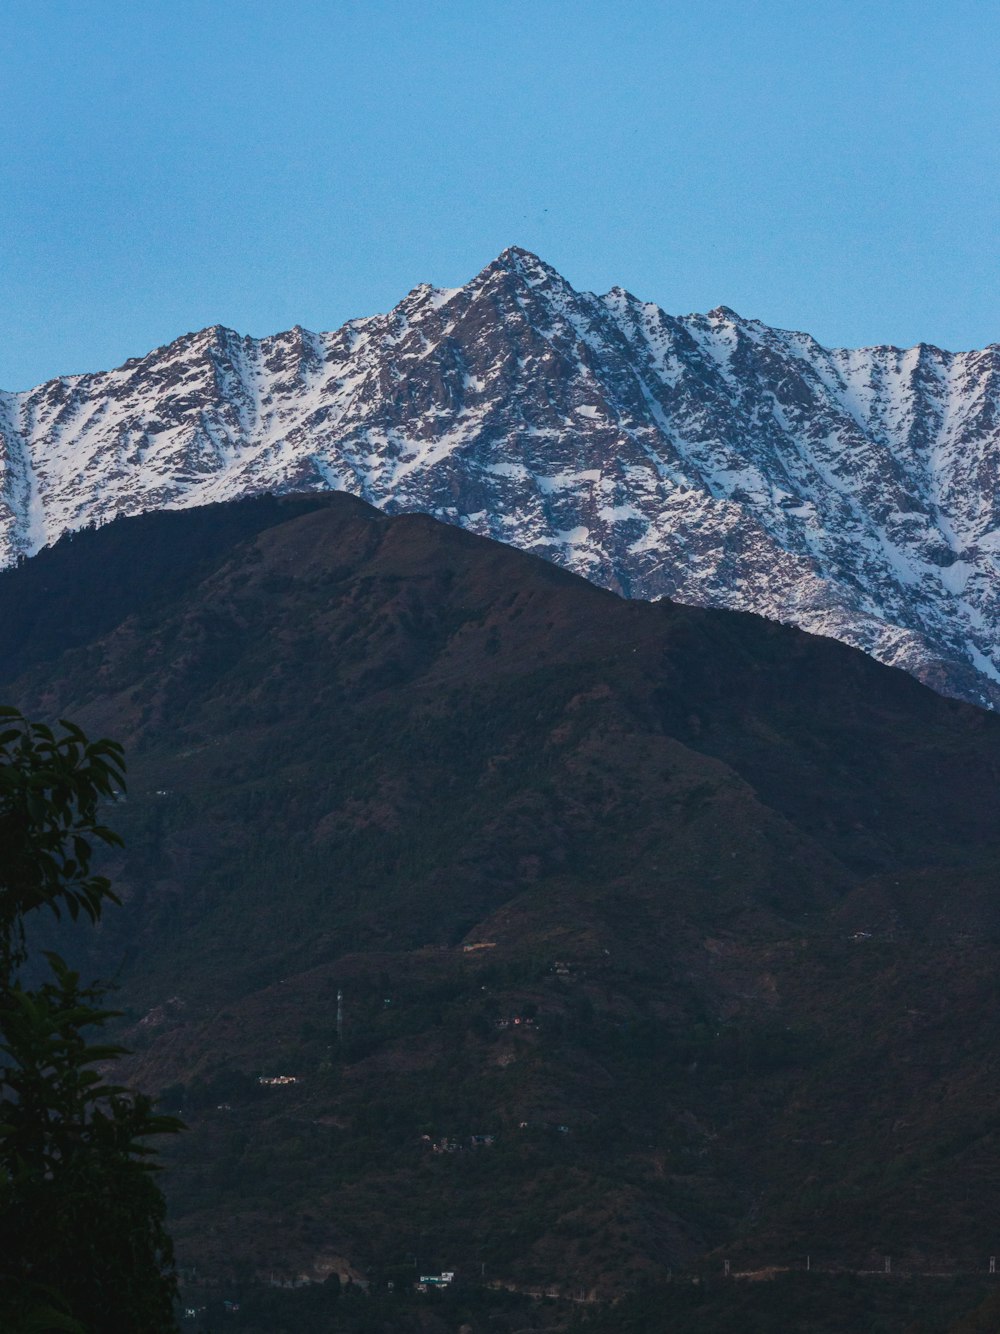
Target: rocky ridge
706,458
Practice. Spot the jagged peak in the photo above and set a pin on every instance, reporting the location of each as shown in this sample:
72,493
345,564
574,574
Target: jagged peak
425,296
524,265
416,295
620,298
727,315
406,427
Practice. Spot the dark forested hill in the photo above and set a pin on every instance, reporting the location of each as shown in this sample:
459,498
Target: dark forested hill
694,915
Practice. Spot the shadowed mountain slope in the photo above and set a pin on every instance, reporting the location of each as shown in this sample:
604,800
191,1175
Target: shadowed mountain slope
740,880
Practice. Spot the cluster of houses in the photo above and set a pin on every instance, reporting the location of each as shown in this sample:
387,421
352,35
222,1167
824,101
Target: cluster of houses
193,1312
429,1281
515,1021
277,1079
446,1145
449,1144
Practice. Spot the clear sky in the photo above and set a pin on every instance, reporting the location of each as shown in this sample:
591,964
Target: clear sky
829,165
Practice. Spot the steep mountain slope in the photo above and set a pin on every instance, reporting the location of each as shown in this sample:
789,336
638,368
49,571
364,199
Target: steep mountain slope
359,745
709,459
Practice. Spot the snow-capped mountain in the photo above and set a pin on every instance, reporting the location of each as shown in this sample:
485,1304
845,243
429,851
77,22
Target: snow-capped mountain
706,458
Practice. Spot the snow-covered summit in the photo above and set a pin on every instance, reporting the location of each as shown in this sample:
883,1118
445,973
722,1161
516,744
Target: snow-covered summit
707,458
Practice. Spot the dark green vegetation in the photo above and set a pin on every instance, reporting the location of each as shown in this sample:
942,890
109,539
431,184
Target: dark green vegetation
82,1242
794,1303
804,1304
322,1308
742,882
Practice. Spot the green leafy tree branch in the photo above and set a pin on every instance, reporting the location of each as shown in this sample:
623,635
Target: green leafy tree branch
83,1246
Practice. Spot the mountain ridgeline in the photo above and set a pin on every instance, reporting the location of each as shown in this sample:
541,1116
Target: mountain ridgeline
656,929
705,458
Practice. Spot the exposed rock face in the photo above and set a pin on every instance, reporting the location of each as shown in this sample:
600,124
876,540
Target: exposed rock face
706,458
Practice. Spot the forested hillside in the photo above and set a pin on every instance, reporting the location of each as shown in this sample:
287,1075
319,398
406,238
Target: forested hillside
660,934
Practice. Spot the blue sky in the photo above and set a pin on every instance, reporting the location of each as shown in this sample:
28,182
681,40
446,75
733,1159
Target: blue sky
829,165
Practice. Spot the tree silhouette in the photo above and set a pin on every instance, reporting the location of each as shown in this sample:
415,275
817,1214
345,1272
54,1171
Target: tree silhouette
83,1246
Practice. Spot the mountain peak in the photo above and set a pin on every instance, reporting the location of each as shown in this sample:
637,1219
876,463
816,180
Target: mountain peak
707,458
526,265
